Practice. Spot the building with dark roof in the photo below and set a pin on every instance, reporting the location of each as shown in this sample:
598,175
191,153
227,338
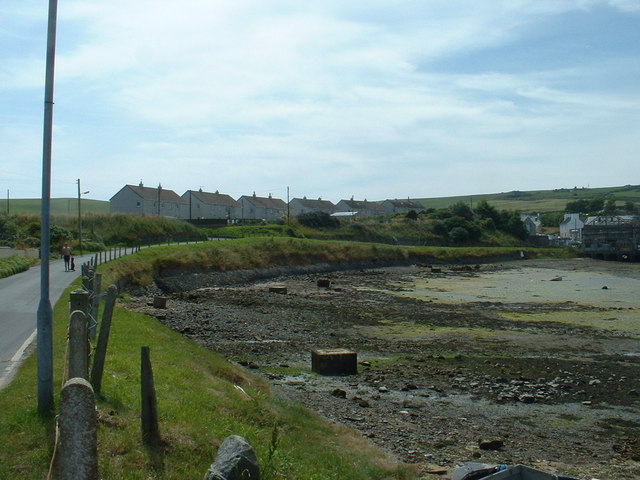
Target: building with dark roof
147,200
363,208
262,208
206,205
401,206
298,206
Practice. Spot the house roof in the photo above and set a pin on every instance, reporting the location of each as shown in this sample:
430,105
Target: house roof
149,193
405,204
209,198
362,205
319,203
610,219
571,217
265,202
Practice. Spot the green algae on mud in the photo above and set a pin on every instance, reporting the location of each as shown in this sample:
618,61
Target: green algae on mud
625,322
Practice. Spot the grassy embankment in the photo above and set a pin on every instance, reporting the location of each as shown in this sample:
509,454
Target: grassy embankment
198,395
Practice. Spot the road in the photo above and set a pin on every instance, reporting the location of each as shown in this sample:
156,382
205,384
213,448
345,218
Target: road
19,299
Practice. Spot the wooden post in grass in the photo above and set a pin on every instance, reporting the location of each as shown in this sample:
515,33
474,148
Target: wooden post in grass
78,352
95,304
103,339
150,430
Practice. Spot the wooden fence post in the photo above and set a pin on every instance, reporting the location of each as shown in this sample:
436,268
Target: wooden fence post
95,304
79,300
78,352
150,430
103,339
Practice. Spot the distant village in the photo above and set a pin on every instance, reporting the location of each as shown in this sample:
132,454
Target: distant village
606,237
198,204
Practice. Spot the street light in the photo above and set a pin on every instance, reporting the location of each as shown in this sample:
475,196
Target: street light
80,217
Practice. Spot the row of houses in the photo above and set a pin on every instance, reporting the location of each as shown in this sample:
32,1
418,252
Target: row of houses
198,204
600,236
572,226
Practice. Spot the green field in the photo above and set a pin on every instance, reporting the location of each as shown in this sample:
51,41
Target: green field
539,201
59,206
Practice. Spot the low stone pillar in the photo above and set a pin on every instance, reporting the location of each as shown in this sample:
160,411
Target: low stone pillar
337,361
78,447
323,283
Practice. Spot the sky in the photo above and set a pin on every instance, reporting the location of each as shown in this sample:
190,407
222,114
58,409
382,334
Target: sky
332,99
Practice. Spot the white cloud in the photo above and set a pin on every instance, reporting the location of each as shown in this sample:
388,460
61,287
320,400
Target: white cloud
338,98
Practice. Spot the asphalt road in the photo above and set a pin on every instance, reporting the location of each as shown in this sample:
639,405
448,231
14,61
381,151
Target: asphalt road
19,299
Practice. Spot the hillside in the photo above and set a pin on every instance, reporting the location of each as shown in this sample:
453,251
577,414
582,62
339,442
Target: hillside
539,201
59,206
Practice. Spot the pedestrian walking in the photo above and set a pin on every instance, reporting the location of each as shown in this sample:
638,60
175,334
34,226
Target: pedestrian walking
66,254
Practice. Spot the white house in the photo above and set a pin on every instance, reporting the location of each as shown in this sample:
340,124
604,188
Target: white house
361,207
151,201
262,208
532,222
298,206
571,227
401,206
210,205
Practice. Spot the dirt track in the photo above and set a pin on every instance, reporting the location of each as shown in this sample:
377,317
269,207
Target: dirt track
538,359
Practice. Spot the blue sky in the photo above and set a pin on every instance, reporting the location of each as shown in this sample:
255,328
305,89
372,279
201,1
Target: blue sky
333,99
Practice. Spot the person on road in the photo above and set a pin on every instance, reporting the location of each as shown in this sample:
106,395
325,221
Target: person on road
66,254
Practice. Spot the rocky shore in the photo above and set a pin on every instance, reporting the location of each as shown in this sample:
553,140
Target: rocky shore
440,381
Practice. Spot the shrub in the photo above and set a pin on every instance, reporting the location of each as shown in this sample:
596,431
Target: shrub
459,234
318,220
12,265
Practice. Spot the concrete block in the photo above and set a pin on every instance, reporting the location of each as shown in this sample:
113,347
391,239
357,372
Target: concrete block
159,302
337,361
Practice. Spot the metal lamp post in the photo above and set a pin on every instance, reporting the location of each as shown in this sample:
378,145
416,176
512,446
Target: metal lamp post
45,313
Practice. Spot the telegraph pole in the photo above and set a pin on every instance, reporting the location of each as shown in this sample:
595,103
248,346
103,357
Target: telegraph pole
80,217
45,314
